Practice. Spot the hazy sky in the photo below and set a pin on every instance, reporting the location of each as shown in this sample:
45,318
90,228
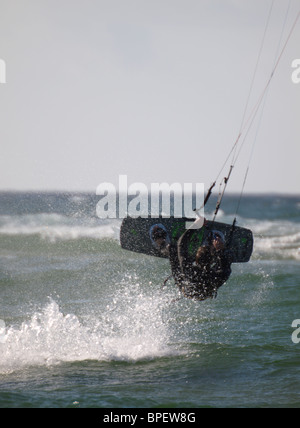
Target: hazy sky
154,89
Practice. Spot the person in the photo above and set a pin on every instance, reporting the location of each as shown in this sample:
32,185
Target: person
202,276
198,277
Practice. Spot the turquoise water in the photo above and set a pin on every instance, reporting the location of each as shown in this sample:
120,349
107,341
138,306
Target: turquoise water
86,324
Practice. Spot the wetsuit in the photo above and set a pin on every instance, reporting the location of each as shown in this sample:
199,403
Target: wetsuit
201,280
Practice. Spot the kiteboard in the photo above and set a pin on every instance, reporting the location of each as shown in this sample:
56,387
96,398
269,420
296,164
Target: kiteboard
135,235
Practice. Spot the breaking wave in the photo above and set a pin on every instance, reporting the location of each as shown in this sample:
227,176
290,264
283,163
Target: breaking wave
276,240
273,239
131,328
54,227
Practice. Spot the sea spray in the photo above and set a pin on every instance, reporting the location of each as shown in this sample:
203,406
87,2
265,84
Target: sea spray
111,337
130,328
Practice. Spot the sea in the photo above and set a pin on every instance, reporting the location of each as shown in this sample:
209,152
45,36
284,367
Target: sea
85,324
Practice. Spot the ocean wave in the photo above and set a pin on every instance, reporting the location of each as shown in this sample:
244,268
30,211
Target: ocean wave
278,247
54,227
274,239
129,331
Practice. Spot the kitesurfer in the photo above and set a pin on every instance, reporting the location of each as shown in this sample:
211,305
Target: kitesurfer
197,277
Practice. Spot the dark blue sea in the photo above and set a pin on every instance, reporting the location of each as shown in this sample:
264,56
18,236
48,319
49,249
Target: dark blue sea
87,324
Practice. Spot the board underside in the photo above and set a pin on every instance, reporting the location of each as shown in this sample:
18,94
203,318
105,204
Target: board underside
135,236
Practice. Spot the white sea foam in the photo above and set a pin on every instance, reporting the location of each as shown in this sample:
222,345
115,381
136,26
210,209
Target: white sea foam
274,239
129,329
55,227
